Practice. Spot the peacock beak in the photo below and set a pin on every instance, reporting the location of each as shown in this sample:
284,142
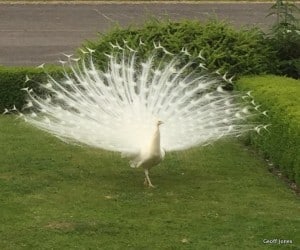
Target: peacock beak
160,122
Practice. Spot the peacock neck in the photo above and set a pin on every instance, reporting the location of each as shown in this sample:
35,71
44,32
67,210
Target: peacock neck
155,145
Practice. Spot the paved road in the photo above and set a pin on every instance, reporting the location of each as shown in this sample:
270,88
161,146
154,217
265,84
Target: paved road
34,34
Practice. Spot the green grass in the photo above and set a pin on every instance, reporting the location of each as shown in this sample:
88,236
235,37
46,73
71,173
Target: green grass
58,196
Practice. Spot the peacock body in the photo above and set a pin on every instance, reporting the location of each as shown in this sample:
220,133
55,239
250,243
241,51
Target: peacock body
139,108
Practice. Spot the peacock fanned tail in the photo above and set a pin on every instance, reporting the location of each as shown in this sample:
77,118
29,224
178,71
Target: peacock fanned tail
116,109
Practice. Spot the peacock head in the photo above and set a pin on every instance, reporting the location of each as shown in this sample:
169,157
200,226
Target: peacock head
159,123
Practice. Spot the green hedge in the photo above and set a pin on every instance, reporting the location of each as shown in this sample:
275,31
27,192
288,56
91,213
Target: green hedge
281,97
239,52
12,80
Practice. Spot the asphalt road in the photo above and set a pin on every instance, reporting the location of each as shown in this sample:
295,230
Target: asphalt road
33,34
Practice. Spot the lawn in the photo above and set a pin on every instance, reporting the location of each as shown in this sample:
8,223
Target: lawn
58,196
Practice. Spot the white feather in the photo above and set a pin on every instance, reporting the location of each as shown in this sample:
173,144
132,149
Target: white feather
118,109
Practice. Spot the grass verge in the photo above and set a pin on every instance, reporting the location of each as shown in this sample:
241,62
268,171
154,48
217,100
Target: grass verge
58,196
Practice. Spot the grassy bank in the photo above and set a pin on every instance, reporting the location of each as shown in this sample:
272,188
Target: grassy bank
58,196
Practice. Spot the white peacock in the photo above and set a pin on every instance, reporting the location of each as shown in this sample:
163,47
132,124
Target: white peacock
141,109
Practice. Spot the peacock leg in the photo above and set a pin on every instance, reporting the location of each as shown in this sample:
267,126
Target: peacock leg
148,179
146,182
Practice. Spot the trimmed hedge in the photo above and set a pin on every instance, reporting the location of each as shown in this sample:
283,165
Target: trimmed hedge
12,80
281,97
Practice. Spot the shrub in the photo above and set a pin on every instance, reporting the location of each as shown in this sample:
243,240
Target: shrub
12,80
281,144
240,52
285,38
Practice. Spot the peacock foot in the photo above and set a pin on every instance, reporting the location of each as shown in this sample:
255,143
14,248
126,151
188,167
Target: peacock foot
147,181
147,184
